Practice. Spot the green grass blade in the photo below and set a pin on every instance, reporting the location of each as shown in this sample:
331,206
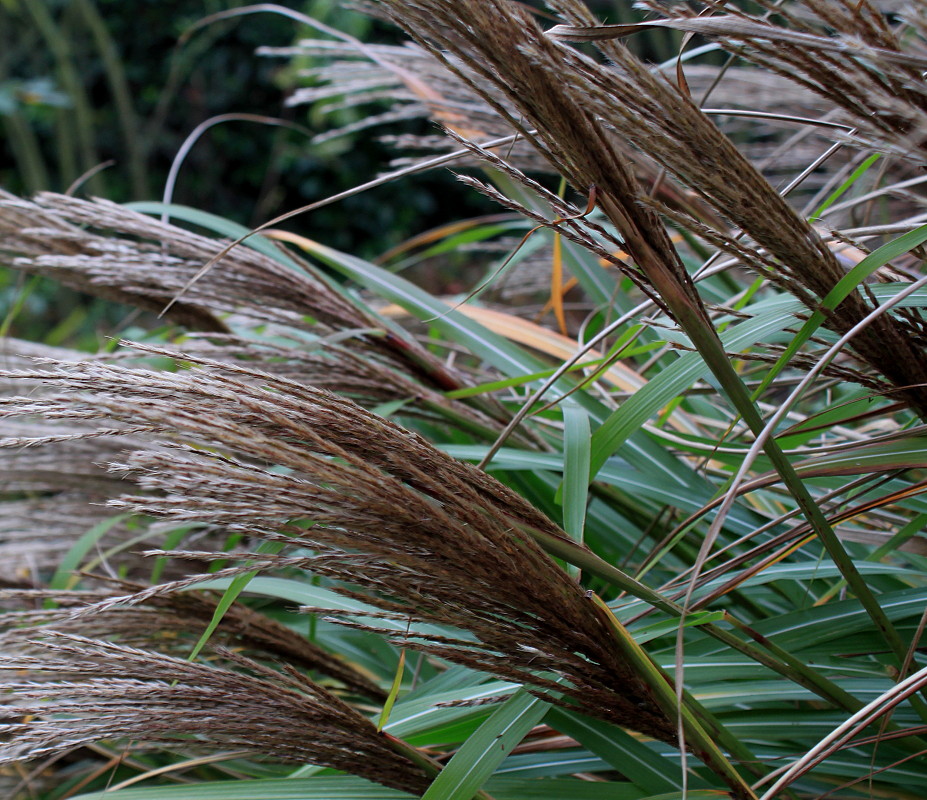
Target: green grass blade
349,787
809,630
694,719
577,443
216,224
237,585
598,282
861,170
647,402
846,285
64,577
637,762
666,627
642,484
304,593
486,749
421,720
495,349
772,317
316,788
521,380
393,692
907,452
171,542
503,788
298,592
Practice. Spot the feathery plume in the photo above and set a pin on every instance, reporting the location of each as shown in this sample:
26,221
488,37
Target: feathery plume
82,690
846,51
106,249
426,537
170,623
569,106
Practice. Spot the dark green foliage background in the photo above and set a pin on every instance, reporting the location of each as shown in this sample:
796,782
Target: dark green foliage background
241,170
53,61
244,171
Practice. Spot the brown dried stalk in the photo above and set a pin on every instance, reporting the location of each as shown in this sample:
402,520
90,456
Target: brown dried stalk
82,690
171,623
847,51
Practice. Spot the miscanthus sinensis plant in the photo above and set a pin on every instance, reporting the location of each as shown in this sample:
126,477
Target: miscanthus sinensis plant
640,517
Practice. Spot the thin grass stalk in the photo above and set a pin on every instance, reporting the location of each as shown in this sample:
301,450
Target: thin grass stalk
711,349
706,341
119,85
196,134
847,730
389,177
81,116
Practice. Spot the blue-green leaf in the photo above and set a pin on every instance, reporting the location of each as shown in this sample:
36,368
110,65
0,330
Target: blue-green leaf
216,224
486,749
575,469
637,762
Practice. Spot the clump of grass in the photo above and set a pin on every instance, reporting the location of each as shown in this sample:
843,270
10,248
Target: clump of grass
237,452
